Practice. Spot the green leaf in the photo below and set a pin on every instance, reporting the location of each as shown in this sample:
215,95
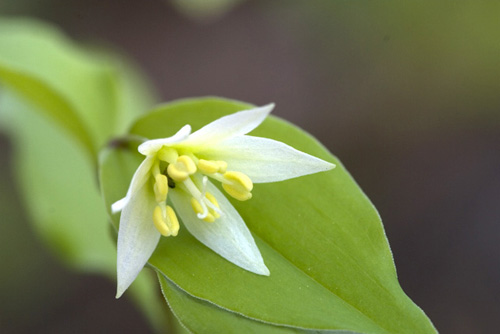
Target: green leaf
199,316
59,189
78,89
322,239
61,196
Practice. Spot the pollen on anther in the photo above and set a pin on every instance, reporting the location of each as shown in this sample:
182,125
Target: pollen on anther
199,210
181,169
159,222
238,185
161,188
212,199
172,220
207,166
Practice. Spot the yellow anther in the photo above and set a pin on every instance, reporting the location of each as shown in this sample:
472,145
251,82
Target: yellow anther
156,168
198,209
159,222
208,166
238,185
172,220
209,218
212,199
181,169
168,154
222,166
167,224
161,188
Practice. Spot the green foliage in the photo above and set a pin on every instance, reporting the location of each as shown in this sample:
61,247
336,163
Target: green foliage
322,239
69,91
202,317
80,90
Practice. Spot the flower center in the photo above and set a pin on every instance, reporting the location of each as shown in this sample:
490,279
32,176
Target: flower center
191,174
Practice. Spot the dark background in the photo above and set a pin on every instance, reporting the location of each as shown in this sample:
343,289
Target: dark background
406,95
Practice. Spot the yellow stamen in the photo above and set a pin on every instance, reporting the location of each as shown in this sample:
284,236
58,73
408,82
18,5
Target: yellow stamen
238,185
182,168
172,219
161,188
198,209
159,222
156,168
209,218
208,166
166,221
168,154
212,199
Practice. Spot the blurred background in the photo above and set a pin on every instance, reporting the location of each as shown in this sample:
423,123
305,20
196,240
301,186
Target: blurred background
405,94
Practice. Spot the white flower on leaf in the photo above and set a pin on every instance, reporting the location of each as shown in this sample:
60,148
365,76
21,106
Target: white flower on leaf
181,168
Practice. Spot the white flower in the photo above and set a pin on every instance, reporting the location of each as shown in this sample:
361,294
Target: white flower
179,167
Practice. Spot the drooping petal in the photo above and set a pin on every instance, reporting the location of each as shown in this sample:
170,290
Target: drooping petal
228,235
226,127
266,160
152,146
137,237
140,177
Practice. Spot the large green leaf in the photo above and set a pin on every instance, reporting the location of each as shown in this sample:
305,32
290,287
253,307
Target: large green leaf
77,89
202,317
320,236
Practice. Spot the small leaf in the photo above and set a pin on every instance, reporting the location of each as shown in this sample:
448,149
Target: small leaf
321,238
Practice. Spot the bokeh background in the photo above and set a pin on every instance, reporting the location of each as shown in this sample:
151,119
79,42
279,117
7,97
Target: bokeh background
406,94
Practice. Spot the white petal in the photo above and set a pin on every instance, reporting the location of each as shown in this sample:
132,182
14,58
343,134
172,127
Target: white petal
152,146
229,126
140,177
119,205
228,236
266,160
137,237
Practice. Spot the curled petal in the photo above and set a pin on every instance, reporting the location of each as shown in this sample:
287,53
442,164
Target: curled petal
226,127
228,235
137,237
267,160
138,180
152,146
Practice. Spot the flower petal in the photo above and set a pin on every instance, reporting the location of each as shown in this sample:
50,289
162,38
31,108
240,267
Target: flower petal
266,160
152,146
228,236
229,126
137,237
140,177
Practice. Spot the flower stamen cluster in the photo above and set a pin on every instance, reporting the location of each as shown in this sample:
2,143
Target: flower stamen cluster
185,171
176,173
